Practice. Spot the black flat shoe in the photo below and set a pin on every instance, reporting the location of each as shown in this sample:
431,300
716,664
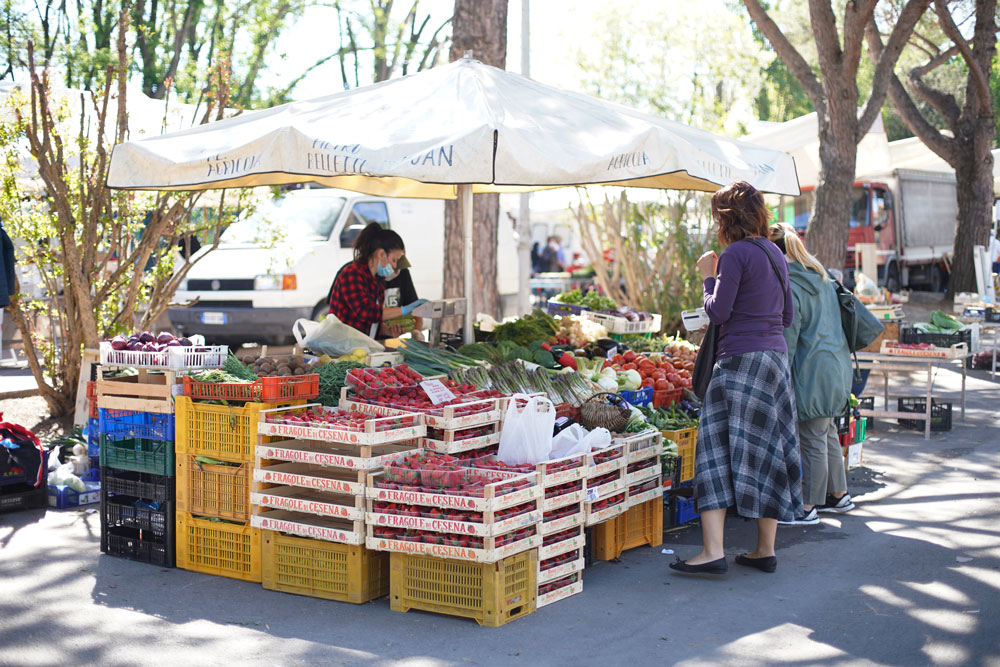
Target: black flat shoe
765,564
712,567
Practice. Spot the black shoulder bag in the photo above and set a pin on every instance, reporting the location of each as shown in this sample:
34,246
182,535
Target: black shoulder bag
705,361
860,327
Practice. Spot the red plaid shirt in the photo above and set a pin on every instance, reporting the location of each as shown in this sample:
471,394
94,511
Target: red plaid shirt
357,296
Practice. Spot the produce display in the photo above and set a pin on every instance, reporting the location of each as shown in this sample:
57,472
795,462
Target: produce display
537,326
279,366
146,341
399,382
563,489
514,378
443,473
452,539
628,312
341,420
910,346
591,300
332,378
661,372
673,418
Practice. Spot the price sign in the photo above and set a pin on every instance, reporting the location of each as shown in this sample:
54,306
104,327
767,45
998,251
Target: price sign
437,392
592,495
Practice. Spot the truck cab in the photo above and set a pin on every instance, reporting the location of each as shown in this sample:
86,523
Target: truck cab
276,264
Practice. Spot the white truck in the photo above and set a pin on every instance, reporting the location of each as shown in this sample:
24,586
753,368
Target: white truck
277,264
910,214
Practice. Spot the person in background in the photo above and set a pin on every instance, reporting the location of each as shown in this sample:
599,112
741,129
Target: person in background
357,296
536,258
399,291
994,252
553,257
821,373
747,454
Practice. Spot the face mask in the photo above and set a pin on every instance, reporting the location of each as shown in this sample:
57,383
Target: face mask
385,271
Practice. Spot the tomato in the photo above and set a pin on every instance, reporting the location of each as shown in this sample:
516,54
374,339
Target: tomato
648,382
661,385
673,377
629,356
618,359
658,375
629,367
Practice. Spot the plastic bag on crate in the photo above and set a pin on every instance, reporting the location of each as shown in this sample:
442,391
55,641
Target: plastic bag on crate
332,337
527,431
577,440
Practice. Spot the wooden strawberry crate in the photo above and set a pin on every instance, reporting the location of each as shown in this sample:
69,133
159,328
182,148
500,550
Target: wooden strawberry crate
451,551
310,525
493,497
605,460
561,546
376,431
550,573
595,491
642,474
484,411
311,476
573,585
556,525
564,499
639,446
451,521
597,513
645,491
452,441
363,457
954,352
563,470
310,501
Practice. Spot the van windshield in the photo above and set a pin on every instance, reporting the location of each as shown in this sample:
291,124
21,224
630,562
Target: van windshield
300,218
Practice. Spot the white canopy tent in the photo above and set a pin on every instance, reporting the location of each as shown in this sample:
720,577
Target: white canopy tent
446,133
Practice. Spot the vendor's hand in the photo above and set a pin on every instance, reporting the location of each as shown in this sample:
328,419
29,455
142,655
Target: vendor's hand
391,330
410,307
706,264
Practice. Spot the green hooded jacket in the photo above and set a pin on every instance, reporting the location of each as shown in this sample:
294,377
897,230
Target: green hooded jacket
817,347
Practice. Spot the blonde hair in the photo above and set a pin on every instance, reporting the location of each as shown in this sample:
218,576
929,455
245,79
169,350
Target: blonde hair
786,238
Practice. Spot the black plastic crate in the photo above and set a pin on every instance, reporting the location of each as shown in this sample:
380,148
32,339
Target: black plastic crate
17,497
129,512
866,403
588,547
911,335
138,545
138,484
940,413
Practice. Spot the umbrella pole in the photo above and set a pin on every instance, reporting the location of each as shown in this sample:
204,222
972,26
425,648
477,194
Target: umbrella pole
465,205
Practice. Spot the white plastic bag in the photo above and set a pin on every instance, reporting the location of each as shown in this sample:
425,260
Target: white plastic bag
332,337
527,431
577,440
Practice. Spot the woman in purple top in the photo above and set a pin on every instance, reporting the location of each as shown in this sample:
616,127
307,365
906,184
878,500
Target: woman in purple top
747,453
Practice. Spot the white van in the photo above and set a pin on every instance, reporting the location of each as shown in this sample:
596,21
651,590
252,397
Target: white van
277,264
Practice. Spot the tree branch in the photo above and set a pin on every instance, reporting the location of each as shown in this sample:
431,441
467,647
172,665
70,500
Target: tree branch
979,78
898,38
797,65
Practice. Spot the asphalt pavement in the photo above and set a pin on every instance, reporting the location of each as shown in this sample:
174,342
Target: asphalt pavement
910,577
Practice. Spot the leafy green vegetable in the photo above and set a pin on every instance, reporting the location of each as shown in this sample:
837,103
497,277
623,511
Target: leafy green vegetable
944,321
544,358
236,368
591,300
536,327
331,380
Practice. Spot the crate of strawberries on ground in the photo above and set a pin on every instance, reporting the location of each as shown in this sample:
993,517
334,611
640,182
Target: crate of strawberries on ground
315,422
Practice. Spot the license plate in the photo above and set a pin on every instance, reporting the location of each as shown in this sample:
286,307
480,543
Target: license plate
213,318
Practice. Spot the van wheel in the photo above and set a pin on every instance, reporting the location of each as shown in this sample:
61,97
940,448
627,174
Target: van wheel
937,279
892,279
319,311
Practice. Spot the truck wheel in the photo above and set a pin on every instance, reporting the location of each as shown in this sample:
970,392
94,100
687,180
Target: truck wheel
937,279
892,279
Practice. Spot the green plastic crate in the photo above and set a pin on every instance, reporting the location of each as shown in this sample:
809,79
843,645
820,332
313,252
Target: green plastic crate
138,454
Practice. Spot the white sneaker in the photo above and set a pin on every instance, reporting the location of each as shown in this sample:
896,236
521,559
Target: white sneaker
810,518
842,504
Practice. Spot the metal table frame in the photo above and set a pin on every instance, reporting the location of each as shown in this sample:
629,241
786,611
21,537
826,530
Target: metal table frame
888,363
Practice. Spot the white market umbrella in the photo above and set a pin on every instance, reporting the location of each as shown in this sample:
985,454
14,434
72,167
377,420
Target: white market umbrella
445,133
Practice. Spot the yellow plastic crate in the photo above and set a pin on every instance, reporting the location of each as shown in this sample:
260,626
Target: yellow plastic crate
491,593
226,432
686,439
321,569
212,490
640,526
218,547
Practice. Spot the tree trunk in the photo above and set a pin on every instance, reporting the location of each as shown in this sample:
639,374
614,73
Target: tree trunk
479,26
826,236
974,181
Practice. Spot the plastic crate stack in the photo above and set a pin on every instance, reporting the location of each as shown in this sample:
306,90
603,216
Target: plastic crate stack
17,492
135,431
560,558
309,497
679,501
641,523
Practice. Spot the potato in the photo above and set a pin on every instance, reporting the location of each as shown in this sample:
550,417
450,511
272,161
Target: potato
298,371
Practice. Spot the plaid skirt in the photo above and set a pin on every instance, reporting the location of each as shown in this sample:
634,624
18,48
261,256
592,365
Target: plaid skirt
748,447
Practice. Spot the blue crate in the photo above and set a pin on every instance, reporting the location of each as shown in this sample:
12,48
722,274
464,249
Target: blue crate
93,438
63,497
559,308
685,510
125,424
639,398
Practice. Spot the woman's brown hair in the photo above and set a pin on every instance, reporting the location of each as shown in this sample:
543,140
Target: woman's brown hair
740,212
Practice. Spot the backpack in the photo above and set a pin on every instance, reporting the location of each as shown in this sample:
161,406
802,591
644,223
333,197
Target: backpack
860,327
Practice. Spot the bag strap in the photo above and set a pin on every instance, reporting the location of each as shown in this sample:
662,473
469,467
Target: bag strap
774,265
839,287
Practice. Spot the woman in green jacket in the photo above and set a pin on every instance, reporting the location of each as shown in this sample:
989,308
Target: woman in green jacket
821,373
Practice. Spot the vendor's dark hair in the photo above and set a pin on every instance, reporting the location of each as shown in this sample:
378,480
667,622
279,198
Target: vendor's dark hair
373,237
740,212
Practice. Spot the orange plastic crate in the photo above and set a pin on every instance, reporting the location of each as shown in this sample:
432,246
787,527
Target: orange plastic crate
264,390
687,440
92,399
639,526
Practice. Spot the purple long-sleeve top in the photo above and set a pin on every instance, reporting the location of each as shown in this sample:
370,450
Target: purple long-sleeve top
748,301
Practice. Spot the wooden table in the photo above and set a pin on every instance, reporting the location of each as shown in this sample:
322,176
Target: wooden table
889,363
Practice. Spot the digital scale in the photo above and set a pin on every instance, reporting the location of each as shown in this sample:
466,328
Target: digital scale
437,310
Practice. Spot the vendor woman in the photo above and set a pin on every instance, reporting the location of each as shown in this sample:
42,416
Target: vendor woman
358,292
